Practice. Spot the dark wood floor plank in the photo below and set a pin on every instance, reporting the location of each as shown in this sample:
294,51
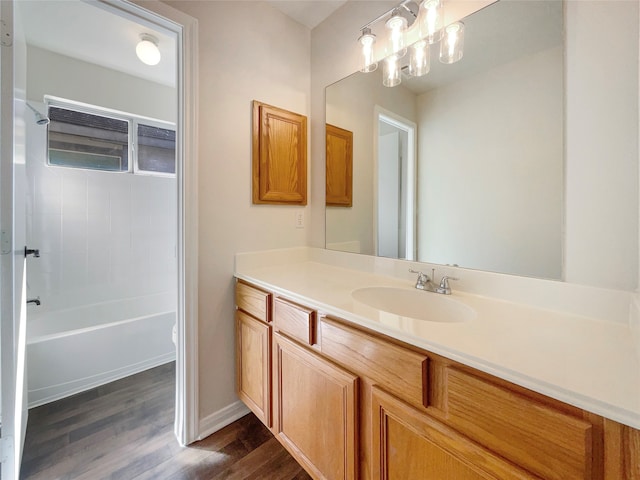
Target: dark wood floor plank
124,431
269,457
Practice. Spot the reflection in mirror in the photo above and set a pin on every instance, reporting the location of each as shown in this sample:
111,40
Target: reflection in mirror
488,151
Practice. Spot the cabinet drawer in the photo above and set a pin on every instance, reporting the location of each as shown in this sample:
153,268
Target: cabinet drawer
294,320
253,301
396,369
541,439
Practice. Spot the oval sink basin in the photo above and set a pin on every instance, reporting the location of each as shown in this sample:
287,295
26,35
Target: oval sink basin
416,304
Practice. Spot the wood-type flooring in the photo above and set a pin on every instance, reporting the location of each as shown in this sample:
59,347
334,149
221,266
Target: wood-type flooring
124,430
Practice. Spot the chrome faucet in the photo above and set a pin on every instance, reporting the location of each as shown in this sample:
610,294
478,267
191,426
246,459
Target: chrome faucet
444,287
423,282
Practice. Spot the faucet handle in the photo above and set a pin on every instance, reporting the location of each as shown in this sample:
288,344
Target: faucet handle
444,285
421,275
422,280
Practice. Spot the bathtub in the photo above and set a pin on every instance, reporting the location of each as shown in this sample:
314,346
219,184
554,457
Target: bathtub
72,350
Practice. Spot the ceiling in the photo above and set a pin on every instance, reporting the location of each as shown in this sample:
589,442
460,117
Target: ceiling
307,12
89,33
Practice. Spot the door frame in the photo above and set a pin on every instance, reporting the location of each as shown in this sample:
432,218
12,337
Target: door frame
158,14
12,244
410,127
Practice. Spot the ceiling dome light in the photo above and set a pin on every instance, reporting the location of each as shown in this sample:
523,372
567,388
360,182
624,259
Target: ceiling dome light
147,49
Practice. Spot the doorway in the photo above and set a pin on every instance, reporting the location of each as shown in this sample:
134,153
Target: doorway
395,179
182,28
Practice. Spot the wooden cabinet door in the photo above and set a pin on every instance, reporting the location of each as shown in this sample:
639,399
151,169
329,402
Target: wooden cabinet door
279,156
315,410
253,365
408,444
339,166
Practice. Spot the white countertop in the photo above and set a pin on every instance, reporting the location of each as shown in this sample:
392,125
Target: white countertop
589,363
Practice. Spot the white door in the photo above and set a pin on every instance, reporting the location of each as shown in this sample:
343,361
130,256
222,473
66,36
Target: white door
395,166
12,237
388,221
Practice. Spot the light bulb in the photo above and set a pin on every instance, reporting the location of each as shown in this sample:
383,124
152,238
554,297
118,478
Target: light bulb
451,48
397,26
367,40
419,61
430,21
147,49
391,71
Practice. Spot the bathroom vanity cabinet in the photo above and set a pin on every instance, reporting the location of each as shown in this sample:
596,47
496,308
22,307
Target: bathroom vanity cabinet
253,350
349,403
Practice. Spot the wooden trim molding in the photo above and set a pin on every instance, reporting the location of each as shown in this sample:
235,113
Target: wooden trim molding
279,156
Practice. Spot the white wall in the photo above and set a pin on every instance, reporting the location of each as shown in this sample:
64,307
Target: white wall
602,144
601,153
248,51
59,75
491,197
102,235
351,106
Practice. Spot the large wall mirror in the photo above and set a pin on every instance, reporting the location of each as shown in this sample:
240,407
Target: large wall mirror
463,166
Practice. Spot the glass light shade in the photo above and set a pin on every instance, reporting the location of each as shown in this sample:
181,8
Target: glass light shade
147,50
367,40
430,21
391,71
396,27
451,48
419,62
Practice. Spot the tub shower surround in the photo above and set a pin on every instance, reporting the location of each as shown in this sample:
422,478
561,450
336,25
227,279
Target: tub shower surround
75,349
107,246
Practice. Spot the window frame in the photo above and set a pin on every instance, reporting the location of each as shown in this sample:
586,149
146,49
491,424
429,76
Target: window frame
133,121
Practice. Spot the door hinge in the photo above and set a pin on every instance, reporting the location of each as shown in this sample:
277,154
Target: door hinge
6,448
5,242
6,33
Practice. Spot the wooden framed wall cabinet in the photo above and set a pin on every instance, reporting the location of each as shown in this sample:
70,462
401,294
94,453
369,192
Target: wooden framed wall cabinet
339,166
279,156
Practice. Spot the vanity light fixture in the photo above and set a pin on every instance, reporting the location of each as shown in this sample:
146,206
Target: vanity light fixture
419,60
367,40
430,21
397,27
147,49
422,22
391,71
452,43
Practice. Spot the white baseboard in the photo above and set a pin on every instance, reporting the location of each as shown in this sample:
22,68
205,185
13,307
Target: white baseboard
220,419
634,323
